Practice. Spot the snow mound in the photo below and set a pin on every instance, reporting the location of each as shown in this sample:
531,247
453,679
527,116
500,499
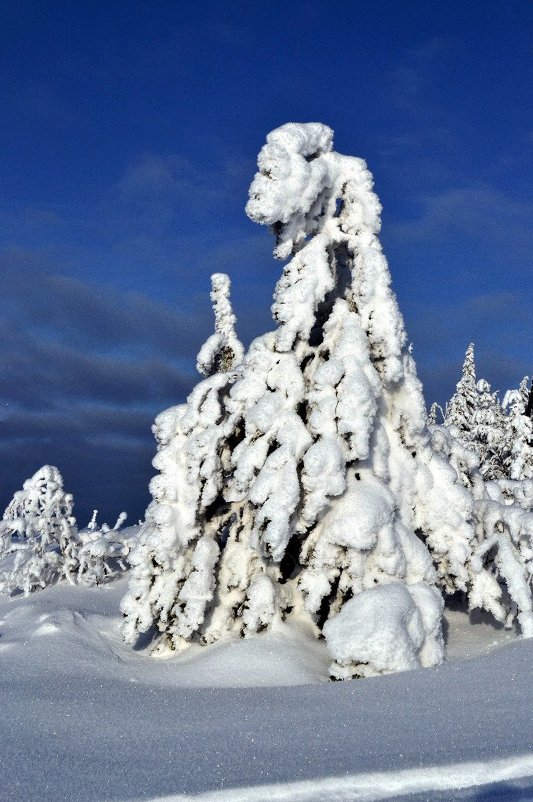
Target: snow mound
389,628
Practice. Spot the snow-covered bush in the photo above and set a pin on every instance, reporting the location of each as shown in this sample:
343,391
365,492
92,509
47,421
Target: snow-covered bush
101,553
301,479
392,628
40,542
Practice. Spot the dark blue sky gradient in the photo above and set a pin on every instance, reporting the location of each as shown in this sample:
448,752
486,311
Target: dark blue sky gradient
128,140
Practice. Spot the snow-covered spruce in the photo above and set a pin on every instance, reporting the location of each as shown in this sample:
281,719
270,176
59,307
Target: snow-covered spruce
519,433
463,403
40,543
502,442
489,432
492,454
41,533
301,481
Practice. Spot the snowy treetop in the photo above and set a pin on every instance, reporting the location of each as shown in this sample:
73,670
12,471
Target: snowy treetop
299,181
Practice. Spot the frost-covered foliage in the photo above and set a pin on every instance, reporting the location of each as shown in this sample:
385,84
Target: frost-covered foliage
500,560
490,446
488,434
102,553
302,479
435,412
40,542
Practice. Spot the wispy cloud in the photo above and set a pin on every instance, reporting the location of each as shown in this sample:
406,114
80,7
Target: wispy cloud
81,363
483,214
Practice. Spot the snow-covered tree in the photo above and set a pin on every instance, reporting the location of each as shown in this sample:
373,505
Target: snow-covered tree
43,531
519,433
302,481
488,433
462,405
40,542
435,412
525,394
500,562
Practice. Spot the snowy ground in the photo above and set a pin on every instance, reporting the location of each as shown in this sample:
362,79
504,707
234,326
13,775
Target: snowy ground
86,718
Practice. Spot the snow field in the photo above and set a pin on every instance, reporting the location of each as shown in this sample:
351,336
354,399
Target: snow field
248,719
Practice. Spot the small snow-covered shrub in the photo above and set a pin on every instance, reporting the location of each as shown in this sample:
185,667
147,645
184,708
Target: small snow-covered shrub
40,542
101,553
300,476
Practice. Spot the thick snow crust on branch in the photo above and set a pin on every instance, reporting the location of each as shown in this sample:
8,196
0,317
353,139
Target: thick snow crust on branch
301,480
40,543
223,348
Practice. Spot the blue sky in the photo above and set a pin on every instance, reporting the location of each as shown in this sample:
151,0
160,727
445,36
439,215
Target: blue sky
129,137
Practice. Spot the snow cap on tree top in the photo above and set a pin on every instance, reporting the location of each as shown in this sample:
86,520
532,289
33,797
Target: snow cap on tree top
299,183
40,491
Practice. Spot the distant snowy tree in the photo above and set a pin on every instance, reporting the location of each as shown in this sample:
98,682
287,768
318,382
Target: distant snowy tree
488,433
492,453
435,412
302,479
478,420
524,392
40,542
519,433
462,405
43,531
500,560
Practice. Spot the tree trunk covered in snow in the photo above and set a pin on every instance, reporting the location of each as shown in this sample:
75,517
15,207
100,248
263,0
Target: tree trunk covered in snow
300,479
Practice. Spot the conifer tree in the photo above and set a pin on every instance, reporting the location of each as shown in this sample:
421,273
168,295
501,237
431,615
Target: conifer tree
519,434
462,406
42,532
488,433
301,480
40,542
